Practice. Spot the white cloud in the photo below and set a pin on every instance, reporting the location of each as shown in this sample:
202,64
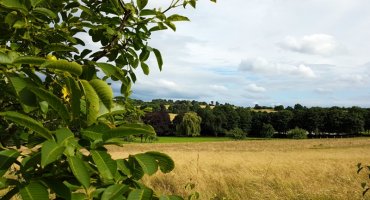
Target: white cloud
263,66
319,44
255,88
218,88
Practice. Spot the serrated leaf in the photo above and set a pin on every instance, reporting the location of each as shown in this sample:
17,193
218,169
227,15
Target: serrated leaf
159,58
46,12
140,194
141,3
92,105
7,158
50,152
54,102
114,192
107,167
79,170
176,17
147,163
27,122
29,60
166,164
127,130
145,68
64,65
34,191
104,91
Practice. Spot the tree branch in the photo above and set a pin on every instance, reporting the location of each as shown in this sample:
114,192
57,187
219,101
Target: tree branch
115,37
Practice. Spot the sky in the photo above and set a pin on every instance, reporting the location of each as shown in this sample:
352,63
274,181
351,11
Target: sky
266,52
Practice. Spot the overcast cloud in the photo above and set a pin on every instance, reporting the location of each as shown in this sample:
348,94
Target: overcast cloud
313,52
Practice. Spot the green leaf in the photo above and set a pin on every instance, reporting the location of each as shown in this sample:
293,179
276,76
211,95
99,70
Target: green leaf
104,91
171,25
140,194
91,135
50,152
28,122
5,59
34,3
78,196
60,47
31,161
26,97
64,135
7,158
159,58
107,167
193,3
127,130
146,12
33,60
59,188
92,107
44,107
79,170
166,164
75,94
55,102
46,12
34,191
124,166
147,163
111,70
176,17
114,192
144,55
145,68
141,3
64,65
14,4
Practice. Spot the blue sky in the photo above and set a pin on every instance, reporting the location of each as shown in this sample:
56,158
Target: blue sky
270,52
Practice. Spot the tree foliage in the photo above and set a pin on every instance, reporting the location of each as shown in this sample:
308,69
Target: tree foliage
188,124
56,97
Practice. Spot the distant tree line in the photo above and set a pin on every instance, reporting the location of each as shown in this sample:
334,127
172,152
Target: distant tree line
260,121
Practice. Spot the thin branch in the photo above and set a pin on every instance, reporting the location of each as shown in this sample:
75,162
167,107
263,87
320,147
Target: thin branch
115,37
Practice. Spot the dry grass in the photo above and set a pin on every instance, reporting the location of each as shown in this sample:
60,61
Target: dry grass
267,169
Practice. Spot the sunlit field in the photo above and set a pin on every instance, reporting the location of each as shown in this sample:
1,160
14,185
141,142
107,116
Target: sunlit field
261,169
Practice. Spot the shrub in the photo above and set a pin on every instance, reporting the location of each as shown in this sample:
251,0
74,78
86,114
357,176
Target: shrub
297,133
236,133
267,131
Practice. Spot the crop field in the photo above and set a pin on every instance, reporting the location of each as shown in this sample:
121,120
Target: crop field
261,169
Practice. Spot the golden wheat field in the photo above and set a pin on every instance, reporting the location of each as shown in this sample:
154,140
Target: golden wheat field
261,169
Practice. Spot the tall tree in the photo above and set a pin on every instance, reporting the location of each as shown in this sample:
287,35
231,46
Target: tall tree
189,125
